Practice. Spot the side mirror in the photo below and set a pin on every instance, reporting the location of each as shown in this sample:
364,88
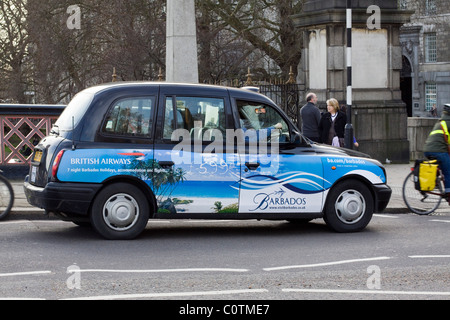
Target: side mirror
296,137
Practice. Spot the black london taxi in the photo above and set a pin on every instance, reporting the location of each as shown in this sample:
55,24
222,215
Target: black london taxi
122,154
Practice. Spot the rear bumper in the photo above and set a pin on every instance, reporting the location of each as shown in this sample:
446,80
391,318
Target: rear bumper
70,198
382,196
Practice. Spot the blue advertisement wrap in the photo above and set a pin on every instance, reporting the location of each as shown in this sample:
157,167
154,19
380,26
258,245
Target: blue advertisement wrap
96,166
222,183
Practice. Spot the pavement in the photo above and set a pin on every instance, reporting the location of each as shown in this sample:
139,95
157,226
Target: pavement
396,174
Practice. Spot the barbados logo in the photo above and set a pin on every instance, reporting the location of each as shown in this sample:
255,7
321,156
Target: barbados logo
278,200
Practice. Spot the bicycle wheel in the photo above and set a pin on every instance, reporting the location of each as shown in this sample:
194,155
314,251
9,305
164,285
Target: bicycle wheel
420,202
6,197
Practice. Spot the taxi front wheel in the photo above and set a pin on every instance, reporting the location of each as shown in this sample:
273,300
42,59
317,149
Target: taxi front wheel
349,207
120,212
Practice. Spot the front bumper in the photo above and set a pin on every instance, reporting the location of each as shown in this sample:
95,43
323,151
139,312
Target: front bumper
382,196
69,198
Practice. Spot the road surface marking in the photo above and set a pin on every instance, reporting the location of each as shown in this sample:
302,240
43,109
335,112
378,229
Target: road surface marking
429,256
14,222
436,220
422,293
162,270
32,222
171,294
385,216
15,274
326,264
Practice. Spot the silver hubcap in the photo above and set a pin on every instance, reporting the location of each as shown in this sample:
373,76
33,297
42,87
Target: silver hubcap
350,206
121,212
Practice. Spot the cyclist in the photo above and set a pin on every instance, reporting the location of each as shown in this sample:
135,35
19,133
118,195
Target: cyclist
437,146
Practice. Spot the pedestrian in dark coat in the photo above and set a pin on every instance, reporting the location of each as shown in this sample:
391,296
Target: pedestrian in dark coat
332,124
310,116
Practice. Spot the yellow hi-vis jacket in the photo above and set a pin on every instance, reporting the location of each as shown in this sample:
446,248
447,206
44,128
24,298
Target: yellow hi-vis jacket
438,139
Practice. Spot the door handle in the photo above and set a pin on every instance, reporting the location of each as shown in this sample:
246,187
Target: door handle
252,165
166,164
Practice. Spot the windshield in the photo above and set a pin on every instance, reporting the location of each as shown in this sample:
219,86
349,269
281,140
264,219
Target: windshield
74,111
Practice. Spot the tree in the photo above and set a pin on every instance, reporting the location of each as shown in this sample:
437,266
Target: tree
265,25
14,42
217,206
39,53
126,35
65,61
163,181
222,54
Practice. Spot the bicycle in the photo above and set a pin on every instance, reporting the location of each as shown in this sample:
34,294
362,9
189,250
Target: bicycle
6,197
423,202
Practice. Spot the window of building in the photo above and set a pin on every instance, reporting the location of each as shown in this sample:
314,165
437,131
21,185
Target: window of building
430,7
430,47
430,95
403,4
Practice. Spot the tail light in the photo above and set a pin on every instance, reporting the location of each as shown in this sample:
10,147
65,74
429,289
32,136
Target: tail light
56,164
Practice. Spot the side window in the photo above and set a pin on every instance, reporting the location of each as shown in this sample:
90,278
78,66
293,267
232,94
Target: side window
130,117
263,118
203,118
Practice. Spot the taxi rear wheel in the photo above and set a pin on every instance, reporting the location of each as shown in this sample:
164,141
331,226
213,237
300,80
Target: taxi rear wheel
120,212
349,207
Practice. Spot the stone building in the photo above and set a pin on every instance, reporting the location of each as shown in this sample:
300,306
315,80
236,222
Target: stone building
425,41
379,116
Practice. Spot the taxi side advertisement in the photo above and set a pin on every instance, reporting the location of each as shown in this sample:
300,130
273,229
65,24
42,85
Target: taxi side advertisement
221,183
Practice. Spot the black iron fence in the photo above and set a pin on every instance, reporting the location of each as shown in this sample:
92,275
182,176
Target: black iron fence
286,96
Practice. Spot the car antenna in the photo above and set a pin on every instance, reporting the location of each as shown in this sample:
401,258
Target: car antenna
73,133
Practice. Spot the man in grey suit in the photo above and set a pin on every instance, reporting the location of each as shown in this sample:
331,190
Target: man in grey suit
310,115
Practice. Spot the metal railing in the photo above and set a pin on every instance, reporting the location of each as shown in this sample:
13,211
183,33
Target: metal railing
21,128
288,94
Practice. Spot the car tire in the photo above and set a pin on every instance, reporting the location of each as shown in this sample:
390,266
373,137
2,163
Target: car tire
349,207
120,212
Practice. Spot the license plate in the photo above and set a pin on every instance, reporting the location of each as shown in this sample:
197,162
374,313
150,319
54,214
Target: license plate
37,156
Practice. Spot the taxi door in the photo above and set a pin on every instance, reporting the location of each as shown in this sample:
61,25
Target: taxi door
275,178
194,173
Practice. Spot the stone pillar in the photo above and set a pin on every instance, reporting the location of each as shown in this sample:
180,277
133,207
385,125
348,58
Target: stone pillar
379,116
181,46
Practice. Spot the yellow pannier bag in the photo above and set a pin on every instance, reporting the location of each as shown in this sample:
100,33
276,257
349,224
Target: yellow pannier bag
427,175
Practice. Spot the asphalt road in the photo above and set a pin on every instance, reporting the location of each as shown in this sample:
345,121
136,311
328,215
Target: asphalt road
399,256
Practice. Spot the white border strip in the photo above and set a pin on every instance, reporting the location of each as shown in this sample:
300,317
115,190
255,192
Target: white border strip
326,264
